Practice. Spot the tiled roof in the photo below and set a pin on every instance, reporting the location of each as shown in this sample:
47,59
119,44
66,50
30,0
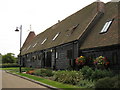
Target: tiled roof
29,38
69,29
111,37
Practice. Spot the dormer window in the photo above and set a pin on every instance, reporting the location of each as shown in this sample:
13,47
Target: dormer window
106,26
56,36
71,30
44,41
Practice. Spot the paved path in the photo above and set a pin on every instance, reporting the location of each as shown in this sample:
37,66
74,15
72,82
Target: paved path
11,81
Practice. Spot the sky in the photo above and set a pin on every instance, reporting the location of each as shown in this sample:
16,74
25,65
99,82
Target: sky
40,14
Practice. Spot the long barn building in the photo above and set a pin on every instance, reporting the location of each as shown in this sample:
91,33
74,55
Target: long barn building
91,32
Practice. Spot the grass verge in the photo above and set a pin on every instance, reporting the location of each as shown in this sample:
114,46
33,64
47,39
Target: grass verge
10,68
40,79
48,82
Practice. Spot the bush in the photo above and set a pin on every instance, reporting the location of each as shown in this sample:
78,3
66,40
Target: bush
87,72
43,72
116,80
86,84
97,74
26,69
108,82
6,65
69,77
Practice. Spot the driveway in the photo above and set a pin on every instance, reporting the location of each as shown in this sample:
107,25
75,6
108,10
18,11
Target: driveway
11,81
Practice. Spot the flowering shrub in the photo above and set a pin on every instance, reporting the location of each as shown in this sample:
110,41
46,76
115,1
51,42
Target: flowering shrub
101,61
69,77
80,60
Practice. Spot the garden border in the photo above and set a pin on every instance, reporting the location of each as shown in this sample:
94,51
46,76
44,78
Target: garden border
37,82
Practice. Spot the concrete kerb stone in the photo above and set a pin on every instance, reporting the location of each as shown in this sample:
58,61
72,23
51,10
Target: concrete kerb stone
40,83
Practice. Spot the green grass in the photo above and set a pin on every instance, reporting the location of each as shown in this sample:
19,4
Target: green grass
10,68
43,80
14,68
48,82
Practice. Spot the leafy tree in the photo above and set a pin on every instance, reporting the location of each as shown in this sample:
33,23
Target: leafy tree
9,58
0,58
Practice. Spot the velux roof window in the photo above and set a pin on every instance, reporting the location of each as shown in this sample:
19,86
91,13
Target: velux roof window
23,49
56,36
34,44
106,26
44,41
29,47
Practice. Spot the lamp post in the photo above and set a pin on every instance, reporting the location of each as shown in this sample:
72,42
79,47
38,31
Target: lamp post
17,30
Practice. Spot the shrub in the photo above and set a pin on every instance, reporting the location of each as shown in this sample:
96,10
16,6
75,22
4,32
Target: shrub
97,74
6,65
26,69
116,80
86,84
108,82
104,83
87,72
43,72
69,77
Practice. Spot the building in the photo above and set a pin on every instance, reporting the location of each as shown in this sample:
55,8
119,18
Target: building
92,31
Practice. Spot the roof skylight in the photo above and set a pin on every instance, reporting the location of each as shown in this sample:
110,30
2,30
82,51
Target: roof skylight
44,41
34,44
56,36
23,49
29,47
106,26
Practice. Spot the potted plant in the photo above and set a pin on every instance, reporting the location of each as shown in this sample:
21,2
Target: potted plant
101,62
80,61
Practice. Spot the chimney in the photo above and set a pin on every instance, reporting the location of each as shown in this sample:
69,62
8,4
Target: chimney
100,6
29,38
58,21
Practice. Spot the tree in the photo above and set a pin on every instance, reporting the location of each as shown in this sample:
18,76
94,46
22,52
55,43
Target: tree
9,58
0,58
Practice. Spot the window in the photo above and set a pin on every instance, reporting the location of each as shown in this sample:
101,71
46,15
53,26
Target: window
44,41
23,49
56,36
71,30
56,54
106,26
34,44
29,47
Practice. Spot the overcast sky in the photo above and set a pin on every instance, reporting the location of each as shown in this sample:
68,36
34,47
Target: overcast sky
41,14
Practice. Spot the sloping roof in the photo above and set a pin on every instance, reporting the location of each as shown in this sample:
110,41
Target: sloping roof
69,29
111,37
29,38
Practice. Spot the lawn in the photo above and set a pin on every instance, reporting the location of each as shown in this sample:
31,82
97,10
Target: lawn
40,79
86,77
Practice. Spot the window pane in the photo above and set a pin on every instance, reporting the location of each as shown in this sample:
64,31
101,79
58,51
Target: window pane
106,26
44,41
56,36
